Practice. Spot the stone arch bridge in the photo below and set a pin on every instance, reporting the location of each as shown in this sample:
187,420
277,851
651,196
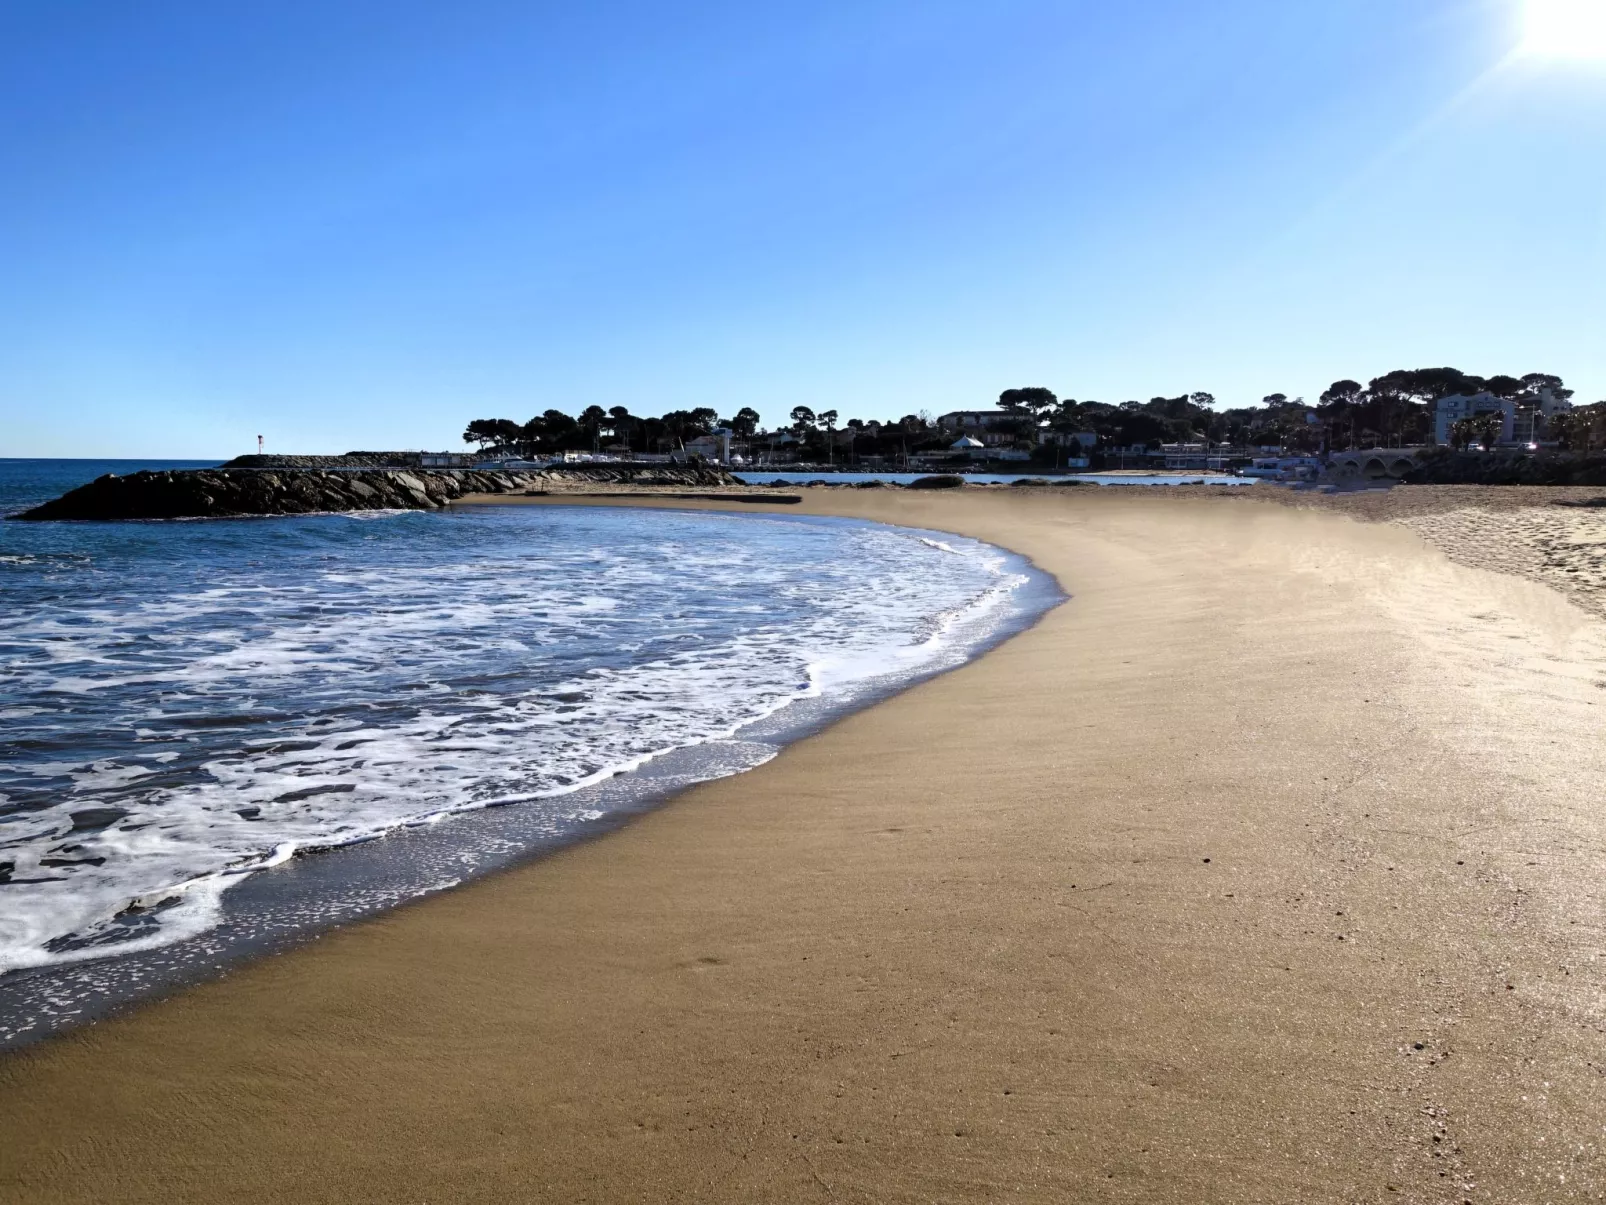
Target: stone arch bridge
1374,464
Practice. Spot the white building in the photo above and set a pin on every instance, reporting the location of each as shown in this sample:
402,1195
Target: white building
1448,411
1083,440
1521,420
715,446
1539,414
1185,455
960,420
991,427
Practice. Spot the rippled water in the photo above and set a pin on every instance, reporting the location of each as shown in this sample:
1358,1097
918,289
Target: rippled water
182,704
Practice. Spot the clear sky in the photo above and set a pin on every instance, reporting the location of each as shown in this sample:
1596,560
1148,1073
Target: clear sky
347,224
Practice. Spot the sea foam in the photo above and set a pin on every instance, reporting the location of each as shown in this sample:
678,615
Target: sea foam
187,704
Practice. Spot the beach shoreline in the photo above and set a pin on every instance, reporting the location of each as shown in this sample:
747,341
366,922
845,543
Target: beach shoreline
1262,869
297,898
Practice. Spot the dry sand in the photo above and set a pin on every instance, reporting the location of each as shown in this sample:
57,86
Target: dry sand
1556,536
1268,868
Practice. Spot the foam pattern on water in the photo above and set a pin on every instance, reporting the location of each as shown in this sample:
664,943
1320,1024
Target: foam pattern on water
185,703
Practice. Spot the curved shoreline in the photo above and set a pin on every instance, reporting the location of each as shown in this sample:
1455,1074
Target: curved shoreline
1263,869
296,899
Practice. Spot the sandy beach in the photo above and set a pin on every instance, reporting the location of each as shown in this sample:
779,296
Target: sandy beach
1267,868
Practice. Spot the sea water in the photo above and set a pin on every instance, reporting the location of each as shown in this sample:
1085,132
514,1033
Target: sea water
187,706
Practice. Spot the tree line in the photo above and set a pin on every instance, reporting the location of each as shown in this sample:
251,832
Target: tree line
554,431
1395,409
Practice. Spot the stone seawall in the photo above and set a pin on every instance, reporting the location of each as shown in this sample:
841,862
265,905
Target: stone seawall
224,493
1502,468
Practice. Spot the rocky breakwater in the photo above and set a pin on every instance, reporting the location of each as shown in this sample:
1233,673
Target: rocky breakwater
350,460
231,492
220,493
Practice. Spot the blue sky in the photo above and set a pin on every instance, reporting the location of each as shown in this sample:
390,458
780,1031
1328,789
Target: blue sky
359,225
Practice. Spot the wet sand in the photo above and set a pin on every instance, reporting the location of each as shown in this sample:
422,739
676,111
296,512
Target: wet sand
1268,868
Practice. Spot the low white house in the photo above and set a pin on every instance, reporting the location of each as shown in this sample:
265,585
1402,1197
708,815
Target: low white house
715,446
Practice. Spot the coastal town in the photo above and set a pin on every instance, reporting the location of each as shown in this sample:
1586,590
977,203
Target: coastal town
1378,432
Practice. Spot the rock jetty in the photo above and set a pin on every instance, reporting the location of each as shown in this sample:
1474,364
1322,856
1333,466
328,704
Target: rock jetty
350,460
235,492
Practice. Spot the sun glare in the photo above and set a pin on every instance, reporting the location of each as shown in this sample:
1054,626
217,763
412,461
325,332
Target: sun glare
1574,29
